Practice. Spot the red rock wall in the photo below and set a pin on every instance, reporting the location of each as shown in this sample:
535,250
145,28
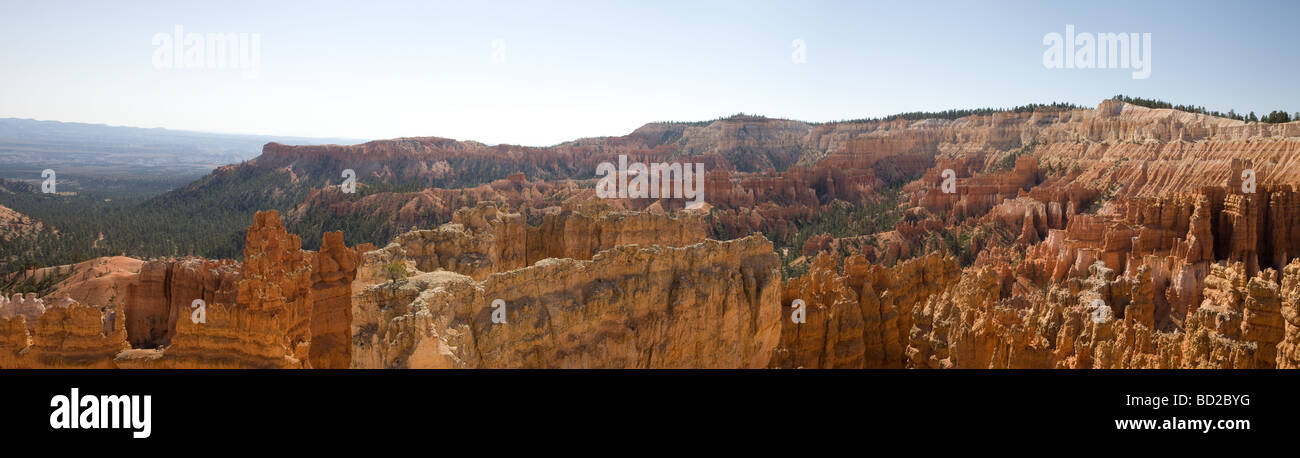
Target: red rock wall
333,269
164,290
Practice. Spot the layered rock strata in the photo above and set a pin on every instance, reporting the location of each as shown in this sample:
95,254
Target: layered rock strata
282,308
1104,321
487,239
332,271
860,318
64,334
707,305
165,290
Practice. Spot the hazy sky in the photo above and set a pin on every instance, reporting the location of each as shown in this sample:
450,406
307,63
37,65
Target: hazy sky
573,69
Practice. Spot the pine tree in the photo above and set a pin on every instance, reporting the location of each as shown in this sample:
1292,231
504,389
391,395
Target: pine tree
1277,116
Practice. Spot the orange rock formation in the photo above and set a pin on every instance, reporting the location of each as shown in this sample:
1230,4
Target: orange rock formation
1115,237
256,315
707,305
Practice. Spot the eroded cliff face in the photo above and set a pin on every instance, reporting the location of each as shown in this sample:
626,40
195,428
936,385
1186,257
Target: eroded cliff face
164,290
1180,226
290,309
770,174
708,305
332,271
60,334
860,319
284,307
1288,351
1102,321
1072,238
487,239
276,280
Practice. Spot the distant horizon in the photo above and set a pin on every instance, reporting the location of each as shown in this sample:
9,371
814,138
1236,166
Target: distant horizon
682,121
533,73
189,131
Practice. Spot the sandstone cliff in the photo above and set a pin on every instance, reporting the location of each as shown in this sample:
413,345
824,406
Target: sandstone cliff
273,319
164,290
61,334
860,319
708,305
332,271
283,307
1119,236
487,239
1099,321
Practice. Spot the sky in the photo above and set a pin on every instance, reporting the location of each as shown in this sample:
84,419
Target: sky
539,73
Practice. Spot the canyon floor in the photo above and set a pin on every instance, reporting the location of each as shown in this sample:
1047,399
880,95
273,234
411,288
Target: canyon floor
1048,237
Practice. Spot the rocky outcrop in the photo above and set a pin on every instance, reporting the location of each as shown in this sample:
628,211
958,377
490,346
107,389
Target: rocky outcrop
708,305
230,337
283,307
1177,237
975,195
27,306
164,292
72,335
1099,321
65,334
487,239
1077,238
267,322
332,271
419,209
1288,350
276,280
770,174
860,319
15,338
